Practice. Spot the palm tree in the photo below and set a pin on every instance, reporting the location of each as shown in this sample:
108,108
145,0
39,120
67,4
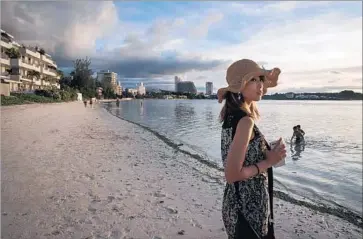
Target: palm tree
41,51
33,74
50,79
60,74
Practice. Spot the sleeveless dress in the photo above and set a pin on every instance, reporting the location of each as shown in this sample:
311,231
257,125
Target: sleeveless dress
253,199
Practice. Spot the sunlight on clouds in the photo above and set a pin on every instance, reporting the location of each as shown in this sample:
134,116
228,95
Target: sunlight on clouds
323,49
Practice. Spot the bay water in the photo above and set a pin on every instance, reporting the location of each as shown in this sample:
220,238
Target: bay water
327,169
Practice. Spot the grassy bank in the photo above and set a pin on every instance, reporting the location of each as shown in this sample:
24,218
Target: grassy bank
39,96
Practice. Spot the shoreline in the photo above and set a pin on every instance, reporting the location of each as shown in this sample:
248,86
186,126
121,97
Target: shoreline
341,212
83,173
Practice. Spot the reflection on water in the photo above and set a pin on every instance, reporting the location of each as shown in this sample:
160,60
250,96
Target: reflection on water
183,113
297,149
327,165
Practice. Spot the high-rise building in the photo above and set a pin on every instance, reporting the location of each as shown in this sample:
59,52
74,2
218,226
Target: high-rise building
141,90
110,77
119,88
26,68
209,88
184,86
177,80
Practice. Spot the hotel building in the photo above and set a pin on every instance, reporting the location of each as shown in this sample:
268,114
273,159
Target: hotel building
209,88
26,68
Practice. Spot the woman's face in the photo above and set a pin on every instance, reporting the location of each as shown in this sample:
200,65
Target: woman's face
253,90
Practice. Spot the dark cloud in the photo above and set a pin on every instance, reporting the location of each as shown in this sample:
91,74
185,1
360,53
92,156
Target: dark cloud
69,30
157,67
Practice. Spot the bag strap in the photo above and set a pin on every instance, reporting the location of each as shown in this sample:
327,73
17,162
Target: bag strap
270,188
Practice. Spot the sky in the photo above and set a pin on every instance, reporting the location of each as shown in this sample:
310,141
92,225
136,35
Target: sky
317,45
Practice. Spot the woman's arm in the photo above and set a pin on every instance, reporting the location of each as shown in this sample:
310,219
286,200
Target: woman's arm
234,170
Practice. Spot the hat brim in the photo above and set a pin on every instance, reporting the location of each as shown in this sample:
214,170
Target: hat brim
272,76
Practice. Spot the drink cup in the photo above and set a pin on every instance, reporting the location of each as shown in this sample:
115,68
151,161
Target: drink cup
282,162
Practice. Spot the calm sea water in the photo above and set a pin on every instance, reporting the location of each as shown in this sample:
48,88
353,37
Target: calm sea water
328,169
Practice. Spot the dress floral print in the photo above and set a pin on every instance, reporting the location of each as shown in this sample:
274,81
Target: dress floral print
252,199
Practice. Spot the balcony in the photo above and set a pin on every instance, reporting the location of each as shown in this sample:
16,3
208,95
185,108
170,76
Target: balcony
7,45
17,78
30,66
50,72
5,60
18,63
30,52
48,60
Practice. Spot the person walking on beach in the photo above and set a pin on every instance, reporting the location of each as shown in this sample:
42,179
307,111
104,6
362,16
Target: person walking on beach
245,157
117,102
85,103
90,102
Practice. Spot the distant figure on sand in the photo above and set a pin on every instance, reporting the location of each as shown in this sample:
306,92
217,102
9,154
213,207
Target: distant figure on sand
298,134
245,208
85,103
117,102
91,102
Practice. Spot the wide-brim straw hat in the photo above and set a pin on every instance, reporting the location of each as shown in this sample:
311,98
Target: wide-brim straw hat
242,71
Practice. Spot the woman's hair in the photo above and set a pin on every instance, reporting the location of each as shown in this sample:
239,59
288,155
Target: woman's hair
235,101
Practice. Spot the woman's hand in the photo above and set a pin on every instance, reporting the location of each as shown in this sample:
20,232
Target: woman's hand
276,154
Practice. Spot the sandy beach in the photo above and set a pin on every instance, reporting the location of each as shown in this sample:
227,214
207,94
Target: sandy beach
75,172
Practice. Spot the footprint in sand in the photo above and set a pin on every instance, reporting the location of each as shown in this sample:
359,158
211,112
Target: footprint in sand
110,198
89,176
159,194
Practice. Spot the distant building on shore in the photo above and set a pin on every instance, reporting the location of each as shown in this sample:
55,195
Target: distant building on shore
25,68
110,77
184,86
119,88
290,95
141,90
209,88
132,91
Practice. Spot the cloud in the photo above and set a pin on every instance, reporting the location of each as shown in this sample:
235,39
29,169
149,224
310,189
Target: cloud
201,29
70,30
66,29
312,42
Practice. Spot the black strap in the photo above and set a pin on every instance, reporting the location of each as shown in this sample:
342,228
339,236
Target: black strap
270,176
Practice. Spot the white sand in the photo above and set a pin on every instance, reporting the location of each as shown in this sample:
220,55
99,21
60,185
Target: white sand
75,172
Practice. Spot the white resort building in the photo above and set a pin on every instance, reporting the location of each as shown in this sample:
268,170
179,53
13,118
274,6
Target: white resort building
26,68
110,77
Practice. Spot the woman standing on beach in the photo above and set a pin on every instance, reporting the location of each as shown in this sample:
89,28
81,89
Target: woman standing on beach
244,153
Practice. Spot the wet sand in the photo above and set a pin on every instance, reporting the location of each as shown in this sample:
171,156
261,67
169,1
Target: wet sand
75,172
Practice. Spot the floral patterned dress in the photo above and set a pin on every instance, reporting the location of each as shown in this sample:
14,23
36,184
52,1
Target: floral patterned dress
252,200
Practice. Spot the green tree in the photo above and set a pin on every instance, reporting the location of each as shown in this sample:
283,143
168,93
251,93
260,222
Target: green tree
42,51
82,77
33,74
65,82
82,74
60,74
12,53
